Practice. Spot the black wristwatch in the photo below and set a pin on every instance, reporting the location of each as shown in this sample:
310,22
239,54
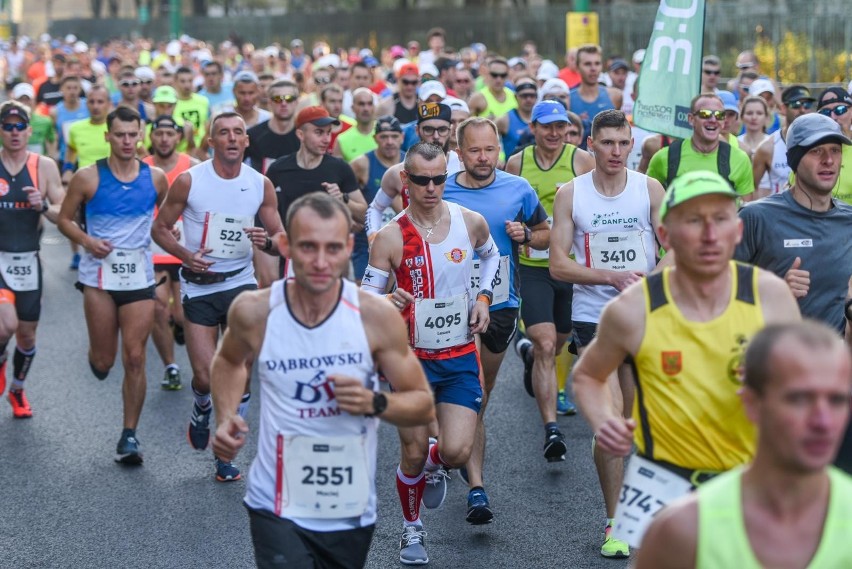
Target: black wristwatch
345,198
846,310
527,235
380,403
44,207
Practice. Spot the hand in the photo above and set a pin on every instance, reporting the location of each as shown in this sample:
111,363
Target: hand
257,235
515,231
351,395
797,279
34,197
175,231
400,298
615,436
623,279
480,317
332,189
197,264
99,248
230,438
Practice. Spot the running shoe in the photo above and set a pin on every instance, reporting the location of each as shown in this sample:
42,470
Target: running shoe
128,451
226,471
411,546
20,405
613,548
171,379
554,446
478,510
75,262
180,339
3,376
526,352
565,406
199,427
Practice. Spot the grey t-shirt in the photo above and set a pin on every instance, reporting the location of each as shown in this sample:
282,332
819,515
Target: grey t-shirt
777,230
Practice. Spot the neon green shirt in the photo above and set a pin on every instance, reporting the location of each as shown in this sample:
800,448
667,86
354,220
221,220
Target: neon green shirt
88,141
196,110
354,144
741,172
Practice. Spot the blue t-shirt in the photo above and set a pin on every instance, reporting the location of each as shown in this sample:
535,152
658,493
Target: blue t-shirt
507,198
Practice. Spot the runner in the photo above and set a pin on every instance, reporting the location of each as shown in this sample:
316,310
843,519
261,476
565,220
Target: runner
116,272
545,303
685,329
711,70
495,99
28,182
516,217
272,139
87,138
403,103
168,316
607,221
590,98
219,200
836,102
460,113
429,249
305,318
191,107
516,122
165,101
789,508
358,140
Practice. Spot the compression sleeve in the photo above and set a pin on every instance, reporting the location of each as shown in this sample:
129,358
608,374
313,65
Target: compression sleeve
380,203
375,281
489,263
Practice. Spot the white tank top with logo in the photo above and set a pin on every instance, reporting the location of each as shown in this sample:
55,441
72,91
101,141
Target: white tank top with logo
315,464
610,232
778,174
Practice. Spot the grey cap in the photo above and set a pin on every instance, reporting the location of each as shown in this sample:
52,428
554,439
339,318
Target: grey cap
812,129
246,77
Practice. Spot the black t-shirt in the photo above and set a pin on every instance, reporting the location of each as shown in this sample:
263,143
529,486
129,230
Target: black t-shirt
405,115
48,92
292,182
265,146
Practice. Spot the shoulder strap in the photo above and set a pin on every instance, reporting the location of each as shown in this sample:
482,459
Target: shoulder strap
32,167
723,161
674,161
745,284
656,291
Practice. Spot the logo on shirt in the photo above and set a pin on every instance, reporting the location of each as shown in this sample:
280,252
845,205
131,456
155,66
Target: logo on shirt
788,243
612,218
4,187
416,261
456,255
672,362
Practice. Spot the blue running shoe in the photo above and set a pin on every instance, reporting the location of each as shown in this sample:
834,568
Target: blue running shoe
198,433
128,451
564,406
478,510
226,471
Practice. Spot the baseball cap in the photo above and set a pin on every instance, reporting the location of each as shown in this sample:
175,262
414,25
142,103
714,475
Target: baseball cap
371,61
173,48
245,77
397,51
840,96
387,123
14,111
808,131
165,94
547,70
23,90
81,47
316,115
517,61
795,93
429,69
297,43
546,112
526,85
144,73
692,185
165,121
429,88
729,101
438,111
408,69
639,56
456,104
618,64
759,86
554,86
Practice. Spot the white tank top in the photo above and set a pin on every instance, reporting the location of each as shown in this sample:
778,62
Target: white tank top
297,400
612,233
779,174
216,211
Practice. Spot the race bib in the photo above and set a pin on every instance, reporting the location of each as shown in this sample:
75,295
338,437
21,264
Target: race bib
531,253
441,323
388,215
501,281
20,270
157,250
123,269
616,251
647,488
324,477
224,234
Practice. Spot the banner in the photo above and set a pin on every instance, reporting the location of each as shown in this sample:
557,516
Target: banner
671,70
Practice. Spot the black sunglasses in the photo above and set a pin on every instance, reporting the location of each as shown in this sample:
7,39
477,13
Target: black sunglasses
713,71
807,105
409,81
838,111
499,75
425,180
22,126
283,98
129,84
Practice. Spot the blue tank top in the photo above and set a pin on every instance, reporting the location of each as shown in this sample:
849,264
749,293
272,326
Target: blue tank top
587,111
507,198
122,212
517,128
64,120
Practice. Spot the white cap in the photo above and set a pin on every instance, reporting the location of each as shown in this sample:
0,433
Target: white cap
98,67
547,70
81,47
365,52
759,86
429,88
429,69
145,74
330,60
272,51
173,49
456,104
23,90
70,38
553,86
517,61
639,56
43,38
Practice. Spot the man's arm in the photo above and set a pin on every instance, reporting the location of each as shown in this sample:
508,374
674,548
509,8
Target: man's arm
50,186
391,188
616,96
762,160
777,300
361,167
81,188
170,211
270,217
502,123
70,158
741,172
584,162
671,541
358,206
513,164
477,104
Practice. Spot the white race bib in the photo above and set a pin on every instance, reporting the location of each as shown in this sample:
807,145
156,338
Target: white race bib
20,270
157,250
324,477
441,322
616,251
647,488
531,253
501,281
123,269
224,234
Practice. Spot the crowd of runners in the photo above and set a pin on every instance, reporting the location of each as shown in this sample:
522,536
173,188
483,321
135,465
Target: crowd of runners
373,231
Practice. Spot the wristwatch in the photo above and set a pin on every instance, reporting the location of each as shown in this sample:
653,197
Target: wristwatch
380,403
44,207
527,235
345,198
846,308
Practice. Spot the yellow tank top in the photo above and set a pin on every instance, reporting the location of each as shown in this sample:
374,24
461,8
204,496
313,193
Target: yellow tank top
686,406
723,541
494,108
545,183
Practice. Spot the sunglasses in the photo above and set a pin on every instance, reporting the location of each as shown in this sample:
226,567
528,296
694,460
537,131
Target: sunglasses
321,80
712,71
19,126
807,105
129,84
527,95
498,75
705,114
425,180
283,98
838,111
462,81
146,82
410,82
430,130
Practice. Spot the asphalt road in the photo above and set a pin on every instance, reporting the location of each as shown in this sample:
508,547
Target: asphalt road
65,503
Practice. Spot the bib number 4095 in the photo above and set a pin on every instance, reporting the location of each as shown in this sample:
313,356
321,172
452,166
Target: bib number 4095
441,322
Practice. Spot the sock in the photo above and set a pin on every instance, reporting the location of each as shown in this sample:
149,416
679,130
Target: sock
564,363
173,366
201,399
21,363
242,410
475,488
128,433
410,492
551,427
433,459
98,373
609,522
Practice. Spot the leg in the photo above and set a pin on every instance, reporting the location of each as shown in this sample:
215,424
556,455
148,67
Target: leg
200,347
8,325
490,366
543,337
135,321
162,332
277,543
456,424
102,322
265,269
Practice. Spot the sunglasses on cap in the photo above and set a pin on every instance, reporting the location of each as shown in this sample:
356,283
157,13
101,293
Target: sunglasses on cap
837,111
705,114
807,105
498,75
425,180
19,126
129,84
430,130
712,71
283,98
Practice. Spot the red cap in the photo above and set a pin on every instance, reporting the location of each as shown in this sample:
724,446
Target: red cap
408,69
317,116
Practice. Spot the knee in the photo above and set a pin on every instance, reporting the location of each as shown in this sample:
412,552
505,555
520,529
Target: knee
134,360
8,325
413,457
101,364
545,347
456,455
